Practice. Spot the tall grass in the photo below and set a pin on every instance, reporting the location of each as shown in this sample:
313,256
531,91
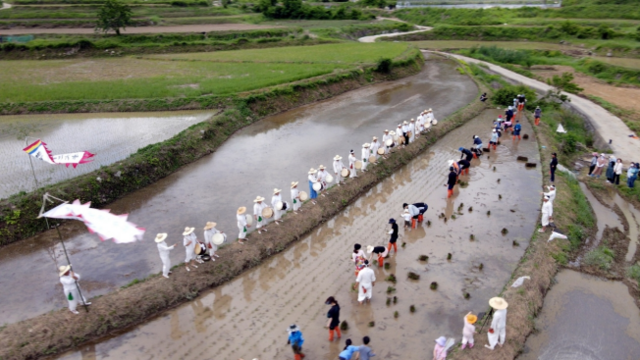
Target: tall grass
601,257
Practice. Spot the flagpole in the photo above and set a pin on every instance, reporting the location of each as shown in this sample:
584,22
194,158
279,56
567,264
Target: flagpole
86,307
26,143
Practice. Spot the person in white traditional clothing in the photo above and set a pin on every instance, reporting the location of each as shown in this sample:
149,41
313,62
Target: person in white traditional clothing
365,156
498,331
427,122
365,281
242,224
209,231
432,116
68,280
400,134
189,242
412,130
405,132
257,213
551,194
322,178
352,164
547,213
295,197
163,249
338,166
375,145
385,138
275,199
419,124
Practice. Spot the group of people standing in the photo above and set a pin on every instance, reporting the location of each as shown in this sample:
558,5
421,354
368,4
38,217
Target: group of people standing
615,168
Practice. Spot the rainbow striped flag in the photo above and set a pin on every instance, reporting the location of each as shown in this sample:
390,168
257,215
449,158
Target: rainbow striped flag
39,150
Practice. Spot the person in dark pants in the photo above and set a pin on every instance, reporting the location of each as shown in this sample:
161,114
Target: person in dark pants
552,166
451,182
296,340
594,162
464,165
483,97
466,152
416,210
394,235
334,317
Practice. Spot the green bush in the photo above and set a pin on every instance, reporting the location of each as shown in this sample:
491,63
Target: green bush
634,272
602,257
384,65
505,95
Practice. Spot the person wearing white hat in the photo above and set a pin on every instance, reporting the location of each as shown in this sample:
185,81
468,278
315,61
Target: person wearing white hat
69,280
275,199
405,132
322,178
420,124
498,331
258,206
312,180
295,197
365,281
241,221
189,242
385,138
163,249
365,156
400,132
430,116
209,231
375,145
551,194
547,213
338,166
352,164
380,251
412,130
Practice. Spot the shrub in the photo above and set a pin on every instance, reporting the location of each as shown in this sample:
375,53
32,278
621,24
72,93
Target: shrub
602,257
506,94
384,65
634,272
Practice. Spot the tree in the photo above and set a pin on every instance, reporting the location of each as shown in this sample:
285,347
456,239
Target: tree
113,15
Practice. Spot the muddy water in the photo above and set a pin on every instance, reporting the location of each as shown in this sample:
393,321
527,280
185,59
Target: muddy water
604,216
572,323
633,219
112,137
247,317
270,153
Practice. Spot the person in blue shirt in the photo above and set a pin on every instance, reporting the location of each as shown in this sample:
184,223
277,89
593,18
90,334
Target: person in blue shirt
296,340
348,351
477,146
466,152
516,130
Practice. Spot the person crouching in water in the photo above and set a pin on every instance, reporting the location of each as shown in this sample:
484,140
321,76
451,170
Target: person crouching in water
296,340
468,330
334,317
380,251
406,215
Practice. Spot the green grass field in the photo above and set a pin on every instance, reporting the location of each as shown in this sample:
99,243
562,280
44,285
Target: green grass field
465,44
224,72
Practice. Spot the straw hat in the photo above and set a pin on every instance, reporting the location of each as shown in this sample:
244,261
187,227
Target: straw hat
312,171
210,225
258,199
375,138
413,120
241,210
405,123
63,270
425,110
294,184
337,157
471,319
321,167
188,230
386,130
276,190
450,162
366,145
161,236
369,249
430,110
498,303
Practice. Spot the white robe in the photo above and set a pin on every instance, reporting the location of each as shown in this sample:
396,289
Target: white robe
420,124
189,249
365,280
552,196
242,226
374,148
352,165
208,237
427,124
547,211
295,200
257,212
386,137
274,201
412,128
499,326
163,249
322,178
69,287
365,158
337,169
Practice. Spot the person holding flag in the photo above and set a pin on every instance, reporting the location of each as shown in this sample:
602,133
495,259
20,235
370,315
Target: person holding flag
69,281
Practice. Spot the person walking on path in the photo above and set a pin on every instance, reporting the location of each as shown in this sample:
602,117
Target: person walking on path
275,199
440,351
602,161
547,213
337,168
453,177
552,166
632,174
494,139
295,197
365,351
516,130
209,231
295,340
348,351
189,242
380,251
365,282
258,206
69,279
498,330
617,171
365,156
312,180
394,236
468,330
537,114
333,316
594,162
352,164
610,172
241,221
163,249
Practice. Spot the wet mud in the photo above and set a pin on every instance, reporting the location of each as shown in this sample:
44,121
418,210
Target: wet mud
248,316
267,154
585,318
111,137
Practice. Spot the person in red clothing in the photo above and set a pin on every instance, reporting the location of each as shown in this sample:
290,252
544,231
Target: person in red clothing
380,251
394,236
334,317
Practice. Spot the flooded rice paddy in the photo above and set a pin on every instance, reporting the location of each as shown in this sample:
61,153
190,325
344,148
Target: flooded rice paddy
268,154
247,317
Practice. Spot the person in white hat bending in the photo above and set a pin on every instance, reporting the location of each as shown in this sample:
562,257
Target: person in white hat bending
68,280
209,231
257,213
352,164
551,194
365,281
163,249
338,166
189,242
295,197
322,178
275,199
386,137
242,223
547,213
412,129
365,156
375,145
498,331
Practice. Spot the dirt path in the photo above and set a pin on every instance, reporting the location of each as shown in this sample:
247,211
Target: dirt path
145,29
372,38
606,124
